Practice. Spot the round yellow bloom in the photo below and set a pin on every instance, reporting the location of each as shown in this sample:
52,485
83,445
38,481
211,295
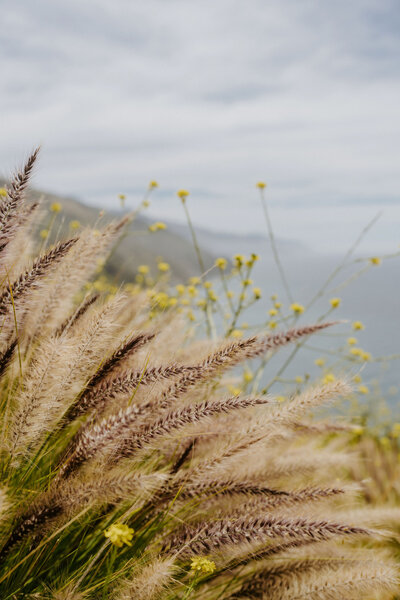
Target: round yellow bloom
357,326
56,207
352,341
363,389
237,333
173,301
119,534
319,362
272,324
329,378
201,303
375,260
146,203
239,259
299,379
180,289
143,269
3,192
278,305
44,234
74,225
297,308
207,285
257,293
182,194
221,263
357,379
335,302
163,267
230,294
194,280
121,196
261,185
247,282
192,291
153,184
212,296
356,351
272,312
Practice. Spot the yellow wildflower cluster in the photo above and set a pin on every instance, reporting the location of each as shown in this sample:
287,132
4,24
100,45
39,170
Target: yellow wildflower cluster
374,260
56,207
298,309
359,352
157,226
320,362
163,267
201,564
119,534
221,263
334,302
257,293
357,326
261,185
153,184
182,194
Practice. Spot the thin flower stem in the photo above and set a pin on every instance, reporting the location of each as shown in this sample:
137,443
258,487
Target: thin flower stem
274,247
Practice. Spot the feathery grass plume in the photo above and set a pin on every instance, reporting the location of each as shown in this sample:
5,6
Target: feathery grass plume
7,357
235,352
102,386
150,582
11,215
319,581
80,311
32,278
208,537
122,426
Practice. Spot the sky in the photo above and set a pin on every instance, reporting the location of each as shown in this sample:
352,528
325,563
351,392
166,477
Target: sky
212,97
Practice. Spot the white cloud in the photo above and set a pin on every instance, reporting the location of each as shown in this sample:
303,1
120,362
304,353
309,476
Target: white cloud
211,96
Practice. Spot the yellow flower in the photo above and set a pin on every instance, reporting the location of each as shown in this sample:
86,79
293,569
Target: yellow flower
257,293
56,207
143,269
230,294
299,379
153,184
44,234
192,291
190,316
352,341
357,326
335,302
272,312
239,259
146,203
194,280
247,282
297,308
3,192
185,301
366,355
272,324
163,267
274,297
280,398
182,194
356,351
319,362
212,296
244,325
235,391
375,260
237,333
180,289
357,379
278,305
157,226
74,225
261,185
221,263
173,301
201,303
200,564
119,534
242,297
329,378
207,285
363,389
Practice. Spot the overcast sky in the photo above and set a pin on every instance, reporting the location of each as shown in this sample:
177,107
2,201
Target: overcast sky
212,96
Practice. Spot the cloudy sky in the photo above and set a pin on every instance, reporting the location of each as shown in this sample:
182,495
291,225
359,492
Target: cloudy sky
212,96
